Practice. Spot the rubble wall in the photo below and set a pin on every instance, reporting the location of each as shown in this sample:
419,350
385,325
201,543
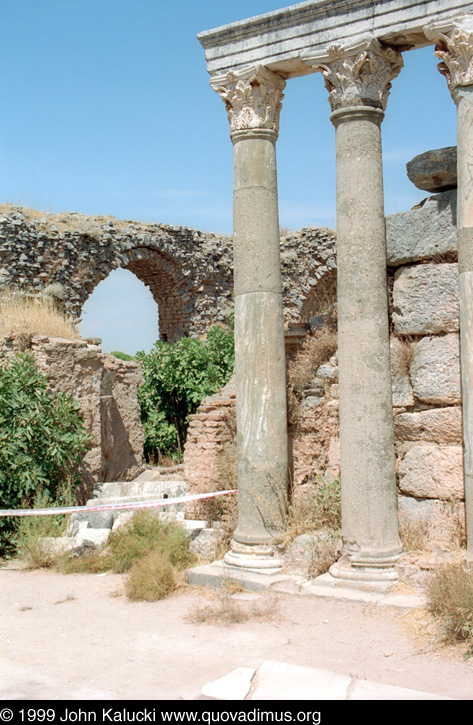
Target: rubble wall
106,390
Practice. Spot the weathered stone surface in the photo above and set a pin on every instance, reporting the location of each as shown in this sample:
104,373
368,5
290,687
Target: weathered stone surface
439,425
434,171
435,370
444,520
423,232
432,471
426,299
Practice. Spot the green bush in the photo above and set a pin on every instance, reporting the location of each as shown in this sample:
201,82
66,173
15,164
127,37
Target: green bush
42,441
122,355
176,378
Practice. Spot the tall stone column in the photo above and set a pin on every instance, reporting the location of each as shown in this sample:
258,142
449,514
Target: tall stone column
358,81
455,49
253,102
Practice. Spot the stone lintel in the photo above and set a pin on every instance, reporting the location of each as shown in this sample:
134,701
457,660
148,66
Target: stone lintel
278,39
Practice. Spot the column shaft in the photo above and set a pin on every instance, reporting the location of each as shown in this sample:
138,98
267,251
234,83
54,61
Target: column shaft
464,101
369,500
259,343
253,101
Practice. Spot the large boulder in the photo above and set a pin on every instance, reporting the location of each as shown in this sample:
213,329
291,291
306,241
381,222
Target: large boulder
434,170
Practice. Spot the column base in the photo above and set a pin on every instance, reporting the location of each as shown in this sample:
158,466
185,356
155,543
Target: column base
379,576
258,558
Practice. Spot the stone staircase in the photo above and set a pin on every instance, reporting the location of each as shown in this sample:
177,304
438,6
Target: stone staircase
91,530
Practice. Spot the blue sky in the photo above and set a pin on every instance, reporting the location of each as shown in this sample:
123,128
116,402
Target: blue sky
107,109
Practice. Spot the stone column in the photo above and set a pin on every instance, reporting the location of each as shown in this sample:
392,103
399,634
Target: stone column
253,101
454,47
358,80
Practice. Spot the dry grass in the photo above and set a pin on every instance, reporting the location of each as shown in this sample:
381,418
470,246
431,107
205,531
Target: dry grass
316,350
151,578
450,598
29,315
226,610
414,533
402,354
321,509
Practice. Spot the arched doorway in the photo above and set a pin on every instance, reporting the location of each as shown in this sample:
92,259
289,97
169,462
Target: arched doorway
122,312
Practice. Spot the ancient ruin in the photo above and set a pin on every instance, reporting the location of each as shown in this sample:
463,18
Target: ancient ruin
189,272
357,46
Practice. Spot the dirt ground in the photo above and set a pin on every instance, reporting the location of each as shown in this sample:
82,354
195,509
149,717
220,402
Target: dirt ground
77,637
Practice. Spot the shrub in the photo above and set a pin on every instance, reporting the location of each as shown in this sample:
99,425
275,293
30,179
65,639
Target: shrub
31,530
151,578
450,597
121,355
176,379
42,440
144,533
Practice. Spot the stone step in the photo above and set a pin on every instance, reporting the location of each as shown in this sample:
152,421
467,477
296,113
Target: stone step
149,489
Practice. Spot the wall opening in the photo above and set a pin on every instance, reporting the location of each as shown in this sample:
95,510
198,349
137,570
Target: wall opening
122,312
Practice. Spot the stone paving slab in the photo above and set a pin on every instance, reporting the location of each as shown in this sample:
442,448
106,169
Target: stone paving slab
281,681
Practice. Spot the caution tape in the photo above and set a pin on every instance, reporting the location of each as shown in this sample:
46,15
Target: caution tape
112,506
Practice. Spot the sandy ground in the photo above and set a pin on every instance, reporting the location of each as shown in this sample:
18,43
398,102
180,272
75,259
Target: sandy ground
77,637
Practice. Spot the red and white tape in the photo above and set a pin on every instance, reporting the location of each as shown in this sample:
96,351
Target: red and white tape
112,506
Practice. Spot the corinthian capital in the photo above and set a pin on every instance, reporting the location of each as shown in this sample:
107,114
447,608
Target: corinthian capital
360,74
454,47
252,98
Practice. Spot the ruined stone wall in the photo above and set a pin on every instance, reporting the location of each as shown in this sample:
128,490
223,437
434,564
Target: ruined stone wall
105,389
189,273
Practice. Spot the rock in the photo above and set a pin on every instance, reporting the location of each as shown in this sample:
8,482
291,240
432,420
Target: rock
426,299
94,519
435,370
423,232
443,520
432,471
96,537
434,171
441,425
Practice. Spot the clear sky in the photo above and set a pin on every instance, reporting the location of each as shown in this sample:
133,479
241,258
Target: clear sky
106,109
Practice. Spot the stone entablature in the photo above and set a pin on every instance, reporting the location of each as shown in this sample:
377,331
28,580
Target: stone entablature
280,39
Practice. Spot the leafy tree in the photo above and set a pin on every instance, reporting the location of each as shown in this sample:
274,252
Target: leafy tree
42,439
176,378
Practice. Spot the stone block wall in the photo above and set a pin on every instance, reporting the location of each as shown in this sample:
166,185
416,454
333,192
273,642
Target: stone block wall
105,389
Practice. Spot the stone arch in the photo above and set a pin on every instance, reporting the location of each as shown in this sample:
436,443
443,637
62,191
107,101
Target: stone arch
320,304
170,288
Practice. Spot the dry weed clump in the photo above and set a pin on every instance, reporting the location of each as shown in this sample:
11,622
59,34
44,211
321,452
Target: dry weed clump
414,533
227,610
21,313
402,354
151,578
450,599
